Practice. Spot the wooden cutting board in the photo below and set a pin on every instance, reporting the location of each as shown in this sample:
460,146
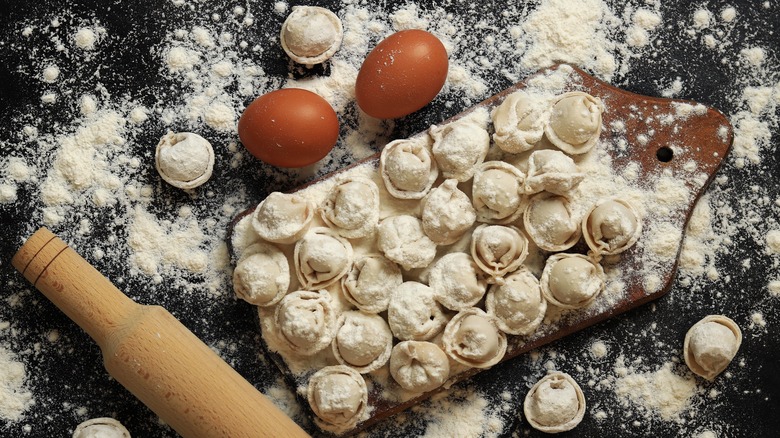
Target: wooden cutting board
681,140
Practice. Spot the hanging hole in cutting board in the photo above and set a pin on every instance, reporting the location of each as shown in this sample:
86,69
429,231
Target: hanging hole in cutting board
665,154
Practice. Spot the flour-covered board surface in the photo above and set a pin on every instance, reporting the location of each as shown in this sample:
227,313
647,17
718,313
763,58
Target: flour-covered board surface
656,156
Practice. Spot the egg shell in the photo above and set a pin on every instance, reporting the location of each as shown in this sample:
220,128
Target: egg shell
290,127
403,73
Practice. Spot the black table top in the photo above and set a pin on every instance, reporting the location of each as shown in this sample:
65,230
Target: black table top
63,366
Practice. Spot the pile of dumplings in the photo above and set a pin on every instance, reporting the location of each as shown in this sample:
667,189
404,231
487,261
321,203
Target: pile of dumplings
420,267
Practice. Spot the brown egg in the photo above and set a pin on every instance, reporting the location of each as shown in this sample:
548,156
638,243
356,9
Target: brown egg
290,127
403,73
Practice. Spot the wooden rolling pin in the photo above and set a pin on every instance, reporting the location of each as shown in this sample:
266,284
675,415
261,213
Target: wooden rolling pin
150,352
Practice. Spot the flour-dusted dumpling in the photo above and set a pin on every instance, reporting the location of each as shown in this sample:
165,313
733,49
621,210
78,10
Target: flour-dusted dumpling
402,239
408,168
498,192
552,171
460,146
321,258
103,427
413,314
711,344
574,124
554,404
419,366
611,227
519,122
457,281
473,338
262,275
311,35
283,218
338,396
447,213
370,282
363,341
498,250
550,222
352,207
571,281
305,321
184,159
517,303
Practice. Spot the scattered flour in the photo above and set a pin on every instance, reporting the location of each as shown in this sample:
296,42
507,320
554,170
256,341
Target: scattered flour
661,392
15,397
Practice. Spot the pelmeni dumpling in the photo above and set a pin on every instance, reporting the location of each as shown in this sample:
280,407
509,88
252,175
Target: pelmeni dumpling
184,159
497,192
552,171
460,146
498,250
102,427
550,222
352,207
311,35
519,122
338,396
457,281
571,281
413,314
305,321
370,282
419,366
574,124
262,275
711,344
321,258
554,404
363,341
611,227
283,218
408,168
472,338
447,213
517,303
402,239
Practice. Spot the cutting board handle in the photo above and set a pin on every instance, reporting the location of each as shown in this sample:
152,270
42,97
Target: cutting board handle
150,352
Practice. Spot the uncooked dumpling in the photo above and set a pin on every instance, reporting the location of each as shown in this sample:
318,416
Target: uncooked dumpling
363,341
459,147
305,321
408,168
517,303
338,396
447,213
472,338
552,171
571,281
611,227
497,192
711,344
262,275
282,218
419,366
550,222
554,404
402,239
103,427
519,122
321,258
413,314
498,250
457,281
352,207
370,282
574,125
311,35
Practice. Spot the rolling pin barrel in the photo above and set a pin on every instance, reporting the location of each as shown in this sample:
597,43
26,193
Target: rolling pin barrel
150,352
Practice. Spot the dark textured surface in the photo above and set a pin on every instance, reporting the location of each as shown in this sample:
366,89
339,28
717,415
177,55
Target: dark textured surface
68,374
